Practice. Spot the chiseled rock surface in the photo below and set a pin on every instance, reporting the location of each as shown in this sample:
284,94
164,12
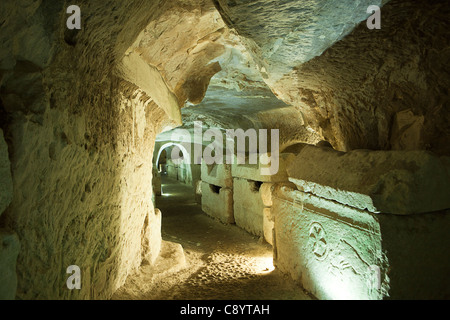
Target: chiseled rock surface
288,33
80,129
217,174
339,252
78,135
328,247
218,203
397,182
248,206
9,249
6,185
350,91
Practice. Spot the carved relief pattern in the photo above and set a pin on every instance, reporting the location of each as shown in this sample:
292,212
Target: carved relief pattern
318,241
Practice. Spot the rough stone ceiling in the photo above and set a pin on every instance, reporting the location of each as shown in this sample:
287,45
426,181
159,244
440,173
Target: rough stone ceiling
241,53
285,33
81,108
349,94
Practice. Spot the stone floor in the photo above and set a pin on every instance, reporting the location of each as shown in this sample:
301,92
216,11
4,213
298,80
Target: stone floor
221,262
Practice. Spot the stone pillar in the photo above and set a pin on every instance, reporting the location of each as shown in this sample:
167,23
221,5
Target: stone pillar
6,185
156,182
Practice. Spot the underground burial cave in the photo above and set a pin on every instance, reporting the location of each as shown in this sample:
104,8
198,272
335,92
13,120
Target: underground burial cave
358,209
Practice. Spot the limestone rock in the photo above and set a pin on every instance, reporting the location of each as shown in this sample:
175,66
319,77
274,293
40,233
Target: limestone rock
84,108
6,185
217,174
255,171
268,225
28,34
350,90
9,250
398,182
151,237
293,32
134,69
340,252
248,206
327,247
266,194
156,182
416,247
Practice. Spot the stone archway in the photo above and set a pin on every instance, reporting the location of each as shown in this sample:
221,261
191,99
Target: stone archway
181,166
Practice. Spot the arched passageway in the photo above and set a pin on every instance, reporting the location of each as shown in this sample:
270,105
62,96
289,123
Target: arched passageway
178,168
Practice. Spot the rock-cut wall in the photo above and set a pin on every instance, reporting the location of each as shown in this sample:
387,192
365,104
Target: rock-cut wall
356,87
80,141
80,110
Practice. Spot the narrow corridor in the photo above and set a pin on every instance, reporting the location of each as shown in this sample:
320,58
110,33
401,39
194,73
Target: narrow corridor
223,262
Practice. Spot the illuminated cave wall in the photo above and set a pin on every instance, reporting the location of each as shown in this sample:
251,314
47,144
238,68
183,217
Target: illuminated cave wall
375,89
80,112
78,137
364,224
80,122
181,169
381,89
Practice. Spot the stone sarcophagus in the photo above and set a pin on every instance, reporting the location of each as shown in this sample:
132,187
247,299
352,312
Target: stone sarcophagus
364,224
217,191
252,196
217,174
217,202
248,206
